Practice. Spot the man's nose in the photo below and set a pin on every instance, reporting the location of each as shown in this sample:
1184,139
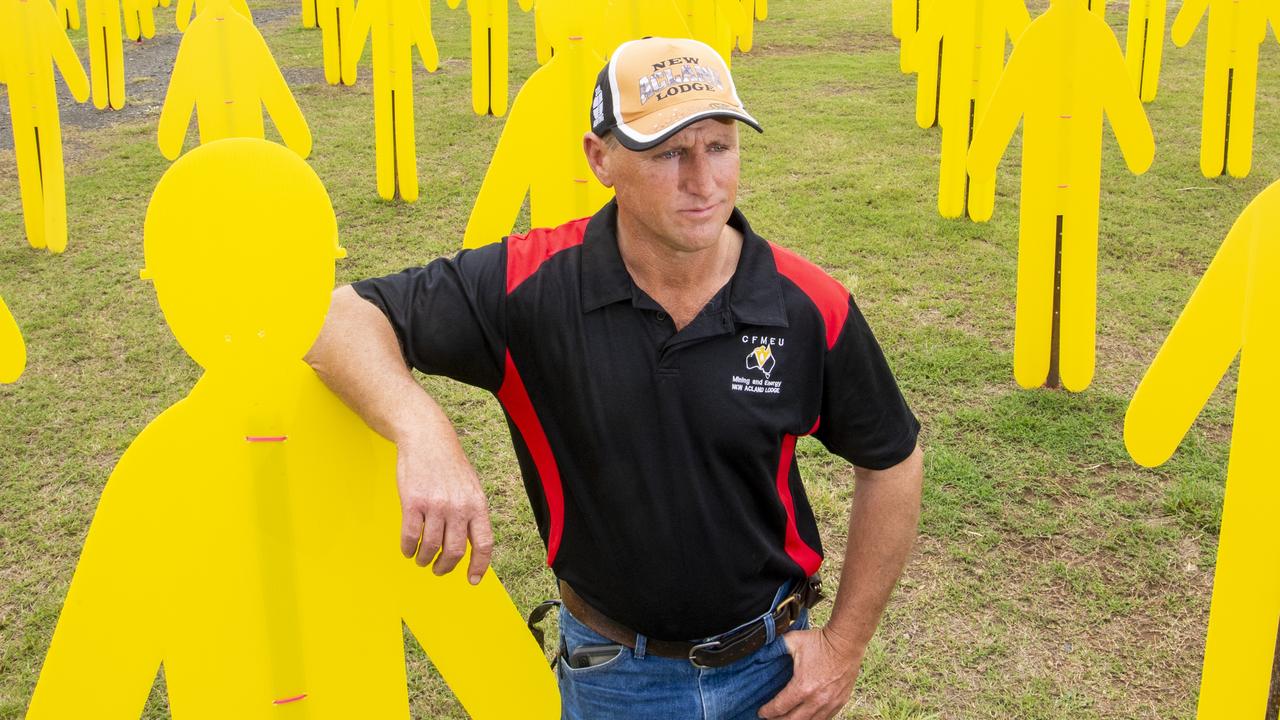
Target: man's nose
696,174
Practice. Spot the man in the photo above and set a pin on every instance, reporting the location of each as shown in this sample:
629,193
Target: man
656,363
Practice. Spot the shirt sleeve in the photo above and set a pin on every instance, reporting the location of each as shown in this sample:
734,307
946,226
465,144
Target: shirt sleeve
449,315
864,417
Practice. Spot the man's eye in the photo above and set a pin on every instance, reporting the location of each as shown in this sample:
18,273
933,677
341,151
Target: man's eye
670,155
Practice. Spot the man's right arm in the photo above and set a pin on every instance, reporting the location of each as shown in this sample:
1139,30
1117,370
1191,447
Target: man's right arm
442,503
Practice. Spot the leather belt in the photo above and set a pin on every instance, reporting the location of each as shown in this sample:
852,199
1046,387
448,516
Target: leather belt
716,651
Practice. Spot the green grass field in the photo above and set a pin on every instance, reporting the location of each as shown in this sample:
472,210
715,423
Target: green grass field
1053,578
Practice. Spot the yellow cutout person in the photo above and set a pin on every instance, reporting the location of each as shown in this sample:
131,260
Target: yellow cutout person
1233,310
247,537
394,28
13,352
972,36
32,40
106,53
1065,71
69,11
182,16
226,71
1236,29
716,22
489,53
139,18
335,19
540,151
633,19
1144,46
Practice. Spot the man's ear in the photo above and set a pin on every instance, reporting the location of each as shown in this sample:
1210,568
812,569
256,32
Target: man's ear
597,152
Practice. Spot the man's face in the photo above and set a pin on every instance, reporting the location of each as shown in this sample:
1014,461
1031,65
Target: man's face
680,193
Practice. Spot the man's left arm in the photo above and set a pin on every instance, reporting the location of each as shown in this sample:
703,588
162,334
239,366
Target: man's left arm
882,531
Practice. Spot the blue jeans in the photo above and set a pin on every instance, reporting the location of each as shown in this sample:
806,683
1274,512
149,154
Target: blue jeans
637,686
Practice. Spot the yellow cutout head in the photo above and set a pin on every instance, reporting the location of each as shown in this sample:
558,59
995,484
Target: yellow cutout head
240,240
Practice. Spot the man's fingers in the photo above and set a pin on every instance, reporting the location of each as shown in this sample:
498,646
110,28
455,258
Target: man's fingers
410,533
455,546
784,702
481,547
432,536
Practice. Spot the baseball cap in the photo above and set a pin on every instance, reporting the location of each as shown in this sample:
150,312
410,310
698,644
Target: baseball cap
653,88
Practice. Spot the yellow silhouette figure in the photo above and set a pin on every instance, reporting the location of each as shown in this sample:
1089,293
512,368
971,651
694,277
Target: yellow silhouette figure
335,19
396,27
716,22
1065,71
972,36
1144,46
69,11
182,16
1233,310
489,53
540,151
625,20
752,10
106,53
13,352
226,71
247,537
1236,29
32,40
139,18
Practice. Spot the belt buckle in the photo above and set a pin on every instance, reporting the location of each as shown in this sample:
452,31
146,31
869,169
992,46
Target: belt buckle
709,645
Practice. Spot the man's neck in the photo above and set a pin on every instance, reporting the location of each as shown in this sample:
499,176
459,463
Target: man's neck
682,282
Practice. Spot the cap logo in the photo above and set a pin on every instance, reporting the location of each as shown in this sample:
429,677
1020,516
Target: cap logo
672,77
597,107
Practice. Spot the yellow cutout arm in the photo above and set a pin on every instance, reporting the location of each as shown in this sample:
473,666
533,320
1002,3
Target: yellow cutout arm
1128,121
420,26
992,135
923,51
179,100
1193,358
64,56
1187,20
13,352
280,103
357,36
506,181
458,650
105,653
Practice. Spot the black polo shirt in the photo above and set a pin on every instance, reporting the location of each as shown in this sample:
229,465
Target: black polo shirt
660,464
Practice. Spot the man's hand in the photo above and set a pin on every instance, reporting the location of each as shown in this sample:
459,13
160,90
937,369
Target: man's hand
443,505
825,668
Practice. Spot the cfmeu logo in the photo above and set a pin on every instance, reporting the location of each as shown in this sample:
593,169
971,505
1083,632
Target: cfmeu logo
762,359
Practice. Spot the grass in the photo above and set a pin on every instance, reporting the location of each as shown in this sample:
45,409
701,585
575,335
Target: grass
1053,578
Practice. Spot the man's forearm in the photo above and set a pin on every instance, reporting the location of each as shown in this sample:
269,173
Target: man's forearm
358,358
882,531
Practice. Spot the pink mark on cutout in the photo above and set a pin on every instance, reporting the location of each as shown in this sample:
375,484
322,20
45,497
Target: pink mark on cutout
1063,187
1064,117
265,438
575,37
286,701
579,180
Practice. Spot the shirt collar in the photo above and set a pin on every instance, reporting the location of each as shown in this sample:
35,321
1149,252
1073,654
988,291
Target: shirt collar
755,291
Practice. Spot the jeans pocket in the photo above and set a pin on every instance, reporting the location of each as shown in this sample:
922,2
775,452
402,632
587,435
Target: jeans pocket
573,635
